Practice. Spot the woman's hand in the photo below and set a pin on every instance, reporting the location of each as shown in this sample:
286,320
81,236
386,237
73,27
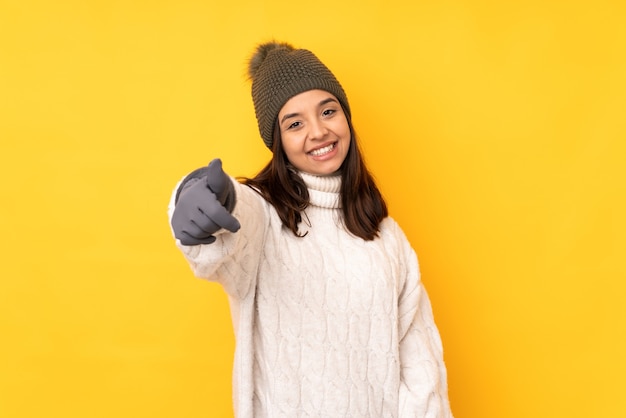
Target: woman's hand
201,209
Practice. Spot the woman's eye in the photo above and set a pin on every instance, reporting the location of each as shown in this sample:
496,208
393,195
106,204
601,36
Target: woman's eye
293,125
328,112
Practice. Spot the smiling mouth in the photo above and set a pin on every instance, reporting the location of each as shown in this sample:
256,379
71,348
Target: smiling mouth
321,151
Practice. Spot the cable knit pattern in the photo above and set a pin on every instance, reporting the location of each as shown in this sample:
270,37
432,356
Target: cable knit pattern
327,325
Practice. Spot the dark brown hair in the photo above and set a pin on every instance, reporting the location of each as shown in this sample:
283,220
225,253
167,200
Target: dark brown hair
362,204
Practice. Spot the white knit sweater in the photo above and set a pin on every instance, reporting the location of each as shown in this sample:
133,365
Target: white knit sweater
327,325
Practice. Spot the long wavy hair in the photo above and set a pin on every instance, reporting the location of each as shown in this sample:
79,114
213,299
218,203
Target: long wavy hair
362,204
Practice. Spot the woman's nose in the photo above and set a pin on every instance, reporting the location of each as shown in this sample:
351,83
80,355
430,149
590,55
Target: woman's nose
317,129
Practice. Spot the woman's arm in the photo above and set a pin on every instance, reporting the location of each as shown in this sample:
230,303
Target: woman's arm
423,378
232,258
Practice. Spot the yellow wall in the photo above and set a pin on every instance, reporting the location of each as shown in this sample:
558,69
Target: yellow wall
496,130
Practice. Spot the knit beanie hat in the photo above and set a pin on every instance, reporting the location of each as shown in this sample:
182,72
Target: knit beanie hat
279,72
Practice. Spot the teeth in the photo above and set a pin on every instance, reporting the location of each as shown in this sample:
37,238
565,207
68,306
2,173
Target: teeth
322,151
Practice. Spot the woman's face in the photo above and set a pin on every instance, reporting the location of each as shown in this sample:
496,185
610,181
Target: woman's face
314,132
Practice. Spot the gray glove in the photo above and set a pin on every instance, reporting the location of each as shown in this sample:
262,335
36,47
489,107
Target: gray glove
203,205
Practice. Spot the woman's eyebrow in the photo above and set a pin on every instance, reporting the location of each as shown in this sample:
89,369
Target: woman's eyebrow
325,101
287,116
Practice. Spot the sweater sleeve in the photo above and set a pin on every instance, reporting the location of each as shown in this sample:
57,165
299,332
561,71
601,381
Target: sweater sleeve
233,259
423,380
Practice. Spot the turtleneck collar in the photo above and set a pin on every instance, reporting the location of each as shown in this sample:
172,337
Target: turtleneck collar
324,191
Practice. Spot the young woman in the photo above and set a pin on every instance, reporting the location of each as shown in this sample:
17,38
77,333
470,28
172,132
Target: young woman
330,316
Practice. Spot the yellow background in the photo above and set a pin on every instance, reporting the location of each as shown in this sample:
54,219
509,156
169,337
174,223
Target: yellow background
496,131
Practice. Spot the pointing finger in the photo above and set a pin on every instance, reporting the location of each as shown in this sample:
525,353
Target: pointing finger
221,216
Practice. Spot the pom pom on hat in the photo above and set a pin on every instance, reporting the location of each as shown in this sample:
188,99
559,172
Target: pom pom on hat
279,72
261,53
